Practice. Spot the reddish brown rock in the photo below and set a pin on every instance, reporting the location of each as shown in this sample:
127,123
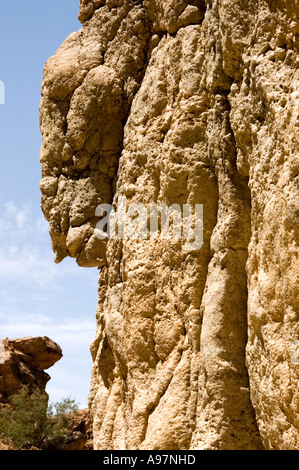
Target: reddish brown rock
81,435
22,362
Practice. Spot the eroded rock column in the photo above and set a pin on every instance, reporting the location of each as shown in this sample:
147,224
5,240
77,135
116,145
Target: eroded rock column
183,102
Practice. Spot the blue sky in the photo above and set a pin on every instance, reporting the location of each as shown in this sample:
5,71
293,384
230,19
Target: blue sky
37,297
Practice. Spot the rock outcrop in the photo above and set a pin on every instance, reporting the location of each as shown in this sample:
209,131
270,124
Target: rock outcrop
183,102
80,431
22,362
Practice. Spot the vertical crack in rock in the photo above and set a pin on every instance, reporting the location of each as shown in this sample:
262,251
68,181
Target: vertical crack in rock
224,386
183,102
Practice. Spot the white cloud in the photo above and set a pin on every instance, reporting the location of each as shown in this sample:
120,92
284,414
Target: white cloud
70,377
70,332
24,246
14,220
40,298
26,255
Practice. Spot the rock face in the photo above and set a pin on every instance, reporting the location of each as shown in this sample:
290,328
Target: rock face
22,362
183,102
80,427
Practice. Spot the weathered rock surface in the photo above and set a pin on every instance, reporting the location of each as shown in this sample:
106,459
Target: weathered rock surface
175,102
80,427
22,362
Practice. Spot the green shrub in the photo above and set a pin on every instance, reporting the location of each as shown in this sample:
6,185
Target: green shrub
31,421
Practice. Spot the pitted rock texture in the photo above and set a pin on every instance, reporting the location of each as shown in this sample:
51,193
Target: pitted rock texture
183,102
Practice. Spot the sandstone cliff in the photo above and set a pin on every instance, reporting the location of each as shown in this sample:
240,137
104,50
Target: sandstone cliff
183,102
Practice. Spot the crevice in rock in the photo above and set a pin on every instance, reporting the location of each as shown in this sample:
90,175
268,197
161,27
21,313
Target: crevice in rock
223,338
198,108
